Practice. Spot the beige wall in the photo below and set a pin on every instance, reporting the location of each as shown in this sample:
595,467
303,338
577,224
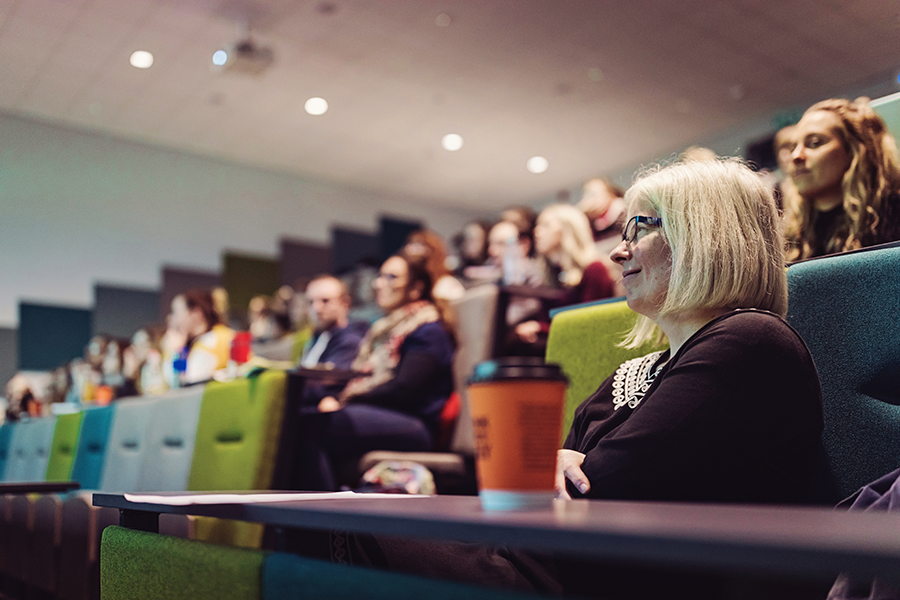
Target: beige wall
76,208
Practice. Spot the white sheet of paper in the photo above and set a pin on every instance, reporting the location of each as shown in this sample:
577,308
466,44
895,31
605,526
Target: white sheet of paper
253,498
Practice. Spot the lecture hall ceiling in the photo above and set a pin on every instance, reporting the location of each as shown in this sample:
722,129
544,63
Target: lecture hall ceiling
592,85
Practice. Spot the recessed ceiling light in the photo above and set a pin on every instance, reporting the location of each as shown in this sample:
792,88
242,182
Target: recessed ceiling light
316,106
442,20
537,164
452,142
220,57
141,59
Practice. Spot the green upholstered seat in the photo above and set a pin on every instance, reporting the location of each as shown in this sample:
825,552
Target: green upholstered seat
64,446
139,565
583,341
235,447
847,309
291,577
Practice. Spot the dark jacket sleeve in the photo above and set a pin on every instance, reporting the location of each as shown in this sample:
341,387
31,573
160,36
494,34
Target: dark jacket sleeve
422,358
344,346
340,352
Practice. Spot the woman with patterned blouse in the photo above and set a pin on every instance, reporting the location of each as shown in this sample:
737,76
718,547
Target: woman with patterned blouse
732,411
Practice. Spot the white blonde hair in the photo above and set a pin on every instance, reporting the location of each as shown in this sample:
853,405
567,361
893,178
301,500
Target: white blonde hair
576,242
720,222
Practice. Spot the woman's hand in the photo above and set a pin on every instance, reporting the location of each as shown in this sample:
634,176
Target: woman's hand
329,404
528,331
568,466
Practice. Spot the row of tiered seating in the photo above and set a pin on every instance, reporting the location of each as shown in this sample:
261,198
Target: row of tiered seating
217,436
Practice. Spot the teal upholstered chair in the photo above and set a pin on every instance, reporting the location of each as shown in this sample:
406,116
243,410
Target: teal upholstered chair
140,565
847,309
92,446
29,449
5,437
291,577
583,342
888,108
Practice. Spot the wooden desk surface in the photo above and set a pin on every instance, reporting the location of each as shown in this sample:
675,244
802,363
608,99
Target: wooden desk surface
804,542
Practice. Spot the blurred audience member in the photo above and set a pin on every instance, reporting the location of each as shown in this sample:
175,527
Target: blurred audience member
562,237
221,305
407,357
523,217
603,204
783,145
846,181
142,362
426,245
60,383
359,281
471,244
335,339
208,341
298,308
510,255
112,380
270,328
20,399
697,153
95,352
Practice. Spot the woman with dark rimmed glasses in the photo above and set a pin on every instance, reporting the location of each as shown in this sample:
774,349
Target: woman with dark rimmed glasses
731,412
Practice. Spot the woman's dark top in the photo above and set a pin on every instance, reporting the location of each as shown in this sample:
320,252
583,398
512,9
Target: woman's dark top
829,223
424,376
734,416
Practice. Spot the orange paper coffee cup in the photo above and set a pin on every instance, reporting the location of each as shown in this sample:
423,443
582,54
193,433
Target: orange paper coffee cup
516,405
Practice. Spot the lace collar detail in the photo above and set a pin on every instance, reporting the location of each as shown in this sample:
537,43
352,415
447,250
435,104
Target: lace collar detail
632,380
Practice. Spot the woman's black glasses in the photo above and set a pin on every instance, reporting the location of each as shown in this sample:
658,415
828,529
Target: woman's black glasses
631,228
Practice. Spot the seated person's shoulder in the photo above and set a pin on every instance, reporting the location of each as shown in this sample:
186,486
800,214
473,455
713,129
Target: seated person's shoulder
756,336
430,337
356,329
753,322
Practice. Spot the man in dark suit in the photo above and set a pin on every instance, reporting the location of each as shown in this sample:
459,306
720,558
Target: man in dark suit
335,340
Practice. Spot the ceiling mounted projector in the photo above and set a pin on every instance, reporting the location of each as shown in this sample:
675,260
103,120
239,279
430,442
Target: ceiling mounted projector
246,57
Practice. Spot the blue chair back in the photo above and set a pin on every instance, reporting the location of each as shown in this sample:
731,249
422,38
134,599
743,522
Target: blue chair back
169,445
92,445
29,450
127,444
847,309
5,437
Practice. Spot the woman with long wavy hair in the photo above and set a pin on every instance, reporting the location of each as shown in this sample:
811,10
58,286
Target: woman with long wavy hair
845,181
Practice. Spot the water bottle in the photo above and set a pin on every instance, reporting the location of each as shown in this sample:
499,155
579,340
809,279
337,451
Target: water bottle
179,365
